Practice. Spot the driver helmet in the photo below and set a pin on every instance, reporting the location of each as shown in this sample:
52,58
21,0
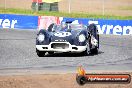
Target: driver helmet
63,25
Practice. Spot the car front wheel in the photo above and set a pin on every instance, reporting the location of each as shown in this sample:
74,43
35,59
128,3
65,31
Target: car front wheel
40,53
50,52
94,51
87,51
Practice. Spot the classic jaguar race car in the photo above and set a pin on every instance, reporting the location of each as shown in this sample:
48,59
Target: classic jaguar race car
68,37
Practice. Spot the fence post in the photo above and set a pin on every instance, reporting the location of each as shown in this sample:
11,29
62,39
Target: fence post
103,8
69,6
5,4
37,5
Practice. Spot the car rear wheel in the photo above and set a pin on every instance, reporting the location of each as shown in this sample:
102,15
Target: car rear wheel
40,53
50,27
93,30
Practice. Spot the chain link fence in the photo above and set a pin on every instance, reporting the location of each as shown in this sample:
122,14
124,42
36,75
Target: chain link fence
99,7
103,7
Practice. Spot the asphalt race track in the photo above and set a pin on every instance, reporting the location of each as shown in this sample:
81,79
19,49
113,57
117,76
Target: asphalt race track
17,52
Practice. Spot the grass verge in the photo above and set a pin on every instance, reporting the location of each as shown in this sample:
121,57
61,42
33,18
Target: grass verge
61,14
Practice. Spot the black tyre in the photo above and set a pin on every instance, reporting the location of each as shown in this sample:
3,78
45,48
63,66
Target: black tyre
87,51
94,31
98,40
50,27
94,51
81,80
40,53
51,52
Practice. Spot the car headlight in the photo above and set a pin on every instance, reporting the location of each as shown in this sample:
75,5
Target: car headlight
41,37
82,38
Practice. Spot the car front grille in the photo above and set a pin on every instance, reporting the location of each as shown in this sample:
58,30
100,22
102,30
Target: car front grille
59,45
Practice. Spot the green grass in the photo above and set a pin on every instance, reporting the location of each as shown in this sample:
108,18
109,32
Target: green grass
61,14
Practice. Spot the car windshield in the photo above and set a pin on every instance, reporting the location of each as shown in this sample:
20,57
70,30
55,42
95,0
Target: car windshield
57,28
77,26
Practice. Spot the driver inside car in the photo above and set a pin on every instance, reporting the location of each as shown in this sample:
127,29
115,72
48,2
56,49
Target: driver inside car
64,26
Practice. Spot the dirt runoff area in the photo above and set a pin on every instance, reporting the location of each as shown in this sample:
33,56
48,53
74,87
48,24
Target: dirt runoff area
51,81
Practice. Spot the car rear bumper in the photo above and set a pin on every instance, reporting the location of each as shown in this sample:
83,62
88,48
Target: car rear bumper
68,47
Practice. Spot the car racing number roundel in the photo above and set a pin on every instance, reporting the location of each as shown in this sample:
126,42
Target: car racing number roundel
62,34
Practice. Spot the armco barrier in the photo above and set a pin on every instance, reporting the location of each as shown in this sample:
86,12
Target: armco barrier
18,21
